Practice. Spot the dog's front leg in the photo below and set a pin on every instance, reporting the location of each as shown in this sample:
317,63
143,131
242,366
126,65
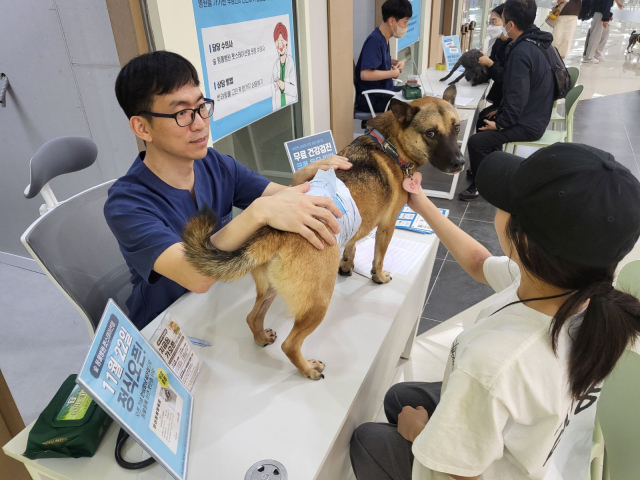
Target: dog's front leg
383,238
348,257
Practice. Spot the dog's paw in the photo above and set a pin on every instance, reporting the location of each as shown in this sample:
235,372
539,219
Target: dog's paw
315,372
265,337
380,277
345,273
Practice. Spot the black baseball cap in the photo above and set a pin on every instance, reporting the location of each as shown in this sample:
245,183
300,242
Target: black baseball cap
575,201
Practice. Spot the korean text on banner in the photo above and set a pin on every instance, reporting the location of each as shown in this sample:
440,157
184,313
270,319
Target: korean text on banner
452,52
247,50
413,27
128,379
306,150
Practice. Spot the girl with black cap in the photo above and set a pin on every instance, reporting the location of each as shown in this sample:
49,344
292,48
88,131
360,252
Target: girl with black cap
517,378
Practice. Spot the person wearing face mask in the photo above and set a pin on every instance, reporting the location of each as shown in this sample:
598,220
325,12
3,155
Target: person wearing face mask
527,94
495,61
375,68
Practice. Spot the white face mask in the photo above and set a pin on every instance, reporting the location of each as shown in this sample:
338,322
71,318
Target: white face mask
504,32
400,32
494,31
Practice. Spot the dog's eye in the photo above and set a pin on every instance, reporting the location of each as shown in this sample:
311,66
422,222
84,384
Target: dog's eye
429,134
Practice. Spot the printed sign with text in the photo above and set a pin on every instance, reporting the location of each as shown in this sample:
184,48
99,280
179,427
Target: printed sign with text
127,378
306,150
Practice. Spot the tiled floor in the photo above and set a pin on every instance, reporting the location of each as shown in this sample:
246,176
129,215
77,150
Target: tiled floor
43,338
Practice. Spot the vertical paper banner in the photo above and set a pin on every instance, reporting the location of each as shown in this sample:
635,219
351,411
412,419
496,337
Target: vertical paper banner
413,27
247,50
452,52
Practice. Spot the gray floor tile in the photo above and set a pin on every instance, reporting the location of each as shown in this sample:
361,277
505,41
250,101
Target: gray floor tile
44,338
426,324
483,232
480,210
454,292
456,207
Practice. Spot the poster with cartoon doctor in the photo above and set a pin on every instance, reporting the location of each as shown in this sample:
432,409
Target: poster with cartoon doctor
284,86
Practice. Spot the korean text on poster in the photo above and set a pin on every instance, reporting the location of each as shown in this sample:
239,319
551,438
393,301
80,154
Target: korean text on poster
128,379
452,52
306,150
247,50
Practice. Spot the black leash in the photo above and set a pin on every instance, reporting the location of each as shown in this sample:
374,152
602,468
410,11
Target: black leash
122,438
533,300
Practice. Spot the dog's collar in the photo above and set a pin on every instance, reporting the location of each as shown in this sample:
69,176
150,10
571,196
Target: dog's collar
388,148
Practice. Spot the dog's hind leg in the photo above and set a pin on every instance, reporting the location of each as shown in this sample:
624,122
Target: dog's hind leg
383,238
305,279
457,79
265,296
455,67
348,257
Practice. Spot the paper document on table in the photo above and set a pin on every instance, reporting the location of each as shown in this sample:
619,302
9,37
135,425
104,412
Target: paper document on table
401,256
462,101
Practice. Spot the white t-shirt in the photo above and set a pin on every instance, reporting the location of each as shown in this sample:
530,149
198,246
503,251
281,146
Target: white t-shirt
505,404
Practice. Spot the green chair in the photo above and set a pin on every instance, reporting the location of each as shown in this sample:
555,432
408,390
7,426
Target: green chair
574,75
554,136
617,421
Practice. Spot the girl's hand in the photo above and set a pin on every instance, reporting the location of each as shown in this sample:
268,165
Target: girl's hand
411,422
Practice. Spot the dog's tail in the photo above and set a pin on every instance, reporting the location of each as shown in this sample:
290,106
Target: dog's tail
220,264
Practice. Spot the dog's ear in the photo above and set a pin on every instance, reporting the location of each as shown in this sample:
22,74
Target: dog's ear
403,112
449,94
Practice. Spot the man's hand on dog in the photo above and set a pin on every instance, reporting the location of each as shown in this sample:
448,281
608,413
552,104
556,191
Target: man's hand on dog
307,173
488,125
490,115
411,421
291,210
485,60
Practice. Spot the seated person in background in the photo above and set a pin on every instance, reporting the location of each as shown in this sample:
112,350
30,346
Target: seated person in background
528,92
148,207
510,406
375,68
495,63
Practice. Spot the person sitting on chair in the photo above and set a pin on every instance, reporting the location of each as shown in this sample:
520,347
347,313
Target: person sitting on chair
178,175
375,68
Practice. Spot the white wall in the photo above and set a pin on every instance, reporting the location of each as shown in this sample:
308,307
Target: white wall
364,13
61,61
320,64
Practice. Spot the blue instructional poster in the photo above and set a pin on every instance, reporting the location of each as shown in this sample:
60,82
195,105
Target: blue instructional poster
412,221
127,378
452,51
306,150
247,50
413,27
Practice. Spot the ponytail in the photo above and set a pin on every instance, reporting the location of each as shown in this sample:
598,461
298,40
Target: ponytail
609,324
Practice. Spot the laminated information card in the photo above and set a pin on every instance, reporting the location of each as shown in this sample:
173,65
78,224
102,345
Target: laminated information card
138,389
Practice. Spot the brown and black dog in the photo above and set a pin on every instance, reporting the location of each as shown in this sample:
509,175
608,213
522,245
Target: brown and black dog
285,264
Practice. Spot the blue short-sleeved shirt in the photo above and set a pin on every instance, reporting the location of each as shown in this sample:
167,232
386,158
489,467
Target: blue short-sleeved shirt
375,55
147,216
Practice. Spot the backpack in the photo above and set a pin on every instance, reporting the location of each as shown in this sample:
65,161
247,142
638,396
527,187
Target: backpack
560,73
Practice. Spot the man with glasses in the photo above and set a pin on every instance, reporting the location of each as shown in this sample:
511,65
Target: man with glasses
178,175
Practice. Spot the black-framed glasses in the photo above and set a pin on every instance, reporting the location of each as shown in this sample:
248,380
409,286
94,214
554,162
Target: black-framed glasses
185,117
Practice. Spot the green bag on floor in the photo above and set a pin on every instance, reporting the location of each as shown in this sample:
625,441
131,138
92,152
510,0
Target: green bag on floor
72,425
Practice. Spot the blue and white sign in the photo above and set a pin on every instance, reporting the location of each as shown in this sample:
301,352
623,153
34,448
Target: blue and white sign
413,27
452,52
247,51
128,379
306,150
